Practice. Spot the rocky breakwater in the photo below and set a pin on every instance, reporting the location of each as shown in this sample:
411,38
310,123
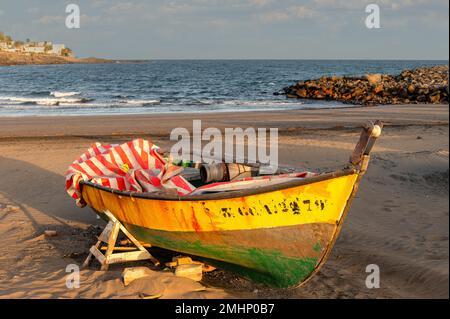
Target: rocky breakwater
422,85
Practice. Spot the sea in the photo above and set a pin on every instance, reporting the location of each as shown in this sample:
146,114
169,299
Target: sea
170,86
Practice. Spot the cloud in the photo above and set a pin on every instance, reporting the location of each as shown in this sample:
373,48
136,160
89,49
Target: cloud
354,5
50,20
303,12
174,8
85,20
260,3
290,13
126,8
99,3
271,17
33,10
217,23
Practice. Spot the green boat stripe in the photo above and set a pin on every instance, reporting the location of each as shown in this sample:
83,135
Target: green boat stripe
260,255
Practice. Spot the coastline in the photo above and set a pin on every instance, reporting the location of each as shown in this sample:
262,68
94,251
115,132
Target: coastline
17,59
398,221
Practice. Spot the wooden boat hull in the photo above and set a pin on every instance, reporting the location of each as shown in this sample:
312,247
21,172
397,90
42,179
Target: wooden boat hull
278,237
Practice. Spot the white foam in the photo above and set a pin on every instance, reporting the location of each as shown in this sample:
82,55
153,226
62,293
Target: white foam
252,103
39,101
63,94
140,102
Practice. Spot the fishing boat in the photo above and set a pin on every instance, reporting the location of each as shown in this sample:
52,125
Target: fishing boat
277,234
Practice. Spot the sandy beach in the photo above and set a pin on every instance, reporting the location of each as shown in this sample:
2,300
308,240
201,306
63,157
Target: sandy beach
398,221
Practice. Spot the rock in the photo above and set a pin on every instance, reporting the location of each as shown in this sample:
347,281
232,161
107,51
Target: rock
179,260
347,97
421,98
50,233
302,93
373,78
328,92
379,88
132,273
423,91
191,271
311,85
435,97
422,85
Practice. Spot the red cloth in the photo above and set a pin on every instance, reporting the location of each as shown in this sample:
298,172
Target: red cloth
133,166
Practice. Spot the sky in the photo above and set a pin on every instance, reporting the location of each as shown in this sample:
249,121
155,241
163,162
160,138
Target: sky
233,29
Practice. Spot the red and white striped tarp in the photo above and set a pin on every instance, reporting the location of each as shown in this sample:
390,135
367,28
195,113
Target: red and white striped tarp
133,166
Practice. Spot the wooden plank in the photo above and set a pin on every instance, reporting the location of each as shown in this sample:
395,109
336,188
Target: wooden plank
119,248
128,256
97,254
111,243
106,233
131,237
109,236
89,257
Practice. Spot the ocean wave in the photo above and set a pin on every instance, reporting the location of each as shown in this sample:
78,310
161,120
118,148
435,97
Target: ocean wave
63,94
250,103
14,100
141,102
123,96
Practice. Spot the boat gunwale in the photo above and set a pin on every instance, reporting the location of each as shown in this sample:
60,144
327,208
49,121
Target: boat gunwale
230,194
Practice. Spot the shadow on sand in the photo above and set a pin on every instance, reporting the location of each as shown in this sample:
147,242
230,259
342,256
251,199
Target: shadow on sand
29,186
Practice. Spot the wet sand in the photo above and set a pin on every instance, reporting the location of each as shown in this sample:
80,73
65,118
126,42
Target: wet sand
398,221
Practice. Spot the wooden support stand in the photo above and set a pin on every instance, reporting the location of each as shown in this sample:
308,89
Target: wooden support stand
109,237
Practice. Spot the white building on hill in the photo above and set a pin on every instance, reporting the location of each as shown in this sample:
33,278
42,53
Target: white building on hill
57,49
34,49
45,47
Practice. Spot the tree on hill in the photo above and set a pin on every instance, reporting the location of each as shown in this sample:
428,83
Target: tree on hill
48,47
66,52
5,38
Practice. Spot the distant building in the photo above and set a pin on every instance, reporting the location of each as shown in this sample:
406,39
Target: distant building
57,49
34,49
7,47
43,47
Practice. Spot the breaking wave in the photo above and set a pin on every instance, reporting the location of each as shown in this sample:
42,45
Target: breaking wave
63,94
13,100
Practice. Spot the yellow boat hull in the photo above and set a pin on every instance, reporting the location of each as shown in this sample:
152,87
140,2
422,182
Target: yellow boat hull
279,237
